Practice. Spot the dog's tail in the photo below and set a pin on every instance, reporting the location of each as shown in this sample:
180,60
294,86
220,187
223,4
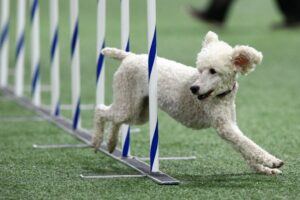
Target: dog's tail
115,53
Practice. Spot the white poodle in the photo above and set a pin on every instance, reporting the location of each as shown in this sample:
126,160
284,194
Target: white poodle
198,98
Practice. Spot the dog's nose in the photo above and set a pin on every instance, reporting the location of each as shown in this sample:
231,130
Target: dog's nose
194,89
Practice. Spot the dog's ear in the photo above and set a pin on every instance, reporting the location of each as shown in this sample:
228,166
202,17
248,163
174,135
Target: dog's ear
209,37
245,59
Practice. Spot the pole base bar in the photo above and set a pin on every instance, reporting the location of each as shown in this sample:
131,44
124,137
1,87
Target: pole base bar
170,158
60,146
112,176
86,137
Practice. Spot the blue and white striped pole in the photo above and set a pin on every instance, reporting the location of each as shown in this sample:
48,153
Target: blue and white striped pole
54,58
100,77
153,77
35,53
125,29
19,72
4,30
75,64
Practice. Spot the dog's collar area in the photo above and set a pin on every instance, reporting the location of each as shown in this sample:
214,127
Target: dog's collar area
223,94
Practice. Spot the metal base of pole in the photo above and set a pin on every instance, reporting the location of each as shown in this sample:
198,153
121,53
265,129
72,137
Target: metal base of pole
86,137
170,158
60,146
112,176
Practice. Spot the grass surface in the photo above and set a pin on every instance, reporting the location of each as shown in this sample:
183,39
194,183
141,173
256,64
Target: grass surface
268,105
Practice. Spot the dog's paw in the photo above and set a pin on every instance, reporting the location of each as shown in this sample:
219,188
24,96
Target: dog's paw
265,159
272,162
277,163
111,145
265,170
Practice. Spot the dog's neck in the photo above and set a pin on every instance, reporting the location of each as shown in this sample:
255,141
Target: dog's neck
223,94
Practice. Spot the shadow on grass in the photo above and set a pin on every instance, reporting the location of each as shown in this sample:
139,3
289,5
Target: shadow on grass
104,166
239,180
107,169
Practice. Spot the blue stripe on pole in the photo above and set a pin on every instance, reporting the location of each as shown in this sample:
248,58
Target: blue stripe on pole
154,145
152,54
126,144
35,78
57,109
127,46
54,44
33,9
4,34
76,115
20,44
100,63
74,38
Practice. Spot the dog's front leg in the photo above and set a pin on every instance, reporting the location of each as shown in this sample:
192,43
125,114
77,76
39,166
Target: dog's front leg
257,158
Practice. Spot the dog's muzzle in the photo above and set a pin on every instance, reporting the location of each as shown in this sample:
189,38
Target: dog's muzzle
205,95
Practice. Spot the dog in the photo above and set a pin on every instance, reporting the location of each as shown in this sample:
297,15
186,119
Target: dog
198,98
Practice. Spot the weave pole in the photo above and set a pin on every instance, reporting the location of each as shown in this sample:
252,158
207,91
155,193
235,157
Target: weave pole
54,58
153,76
20,38
100,78
125,46
4,29
35,53
75,64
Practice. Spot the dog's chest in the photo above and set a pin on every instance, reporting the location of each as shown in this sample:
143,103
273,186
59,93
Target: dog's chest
175,98
184,109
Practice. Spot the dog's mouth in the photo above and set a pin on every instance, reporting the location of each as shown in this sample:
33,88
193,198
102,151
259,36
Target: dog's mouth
205,95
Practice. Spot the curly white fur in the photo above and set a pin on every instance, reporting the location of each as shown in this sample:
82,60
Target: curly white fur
198,98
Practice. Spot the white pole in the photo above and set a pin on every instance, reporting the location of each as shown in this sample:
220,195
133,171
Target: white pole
35,53
75,64
20,38
100,77
4,30
125,29
152,69
54,58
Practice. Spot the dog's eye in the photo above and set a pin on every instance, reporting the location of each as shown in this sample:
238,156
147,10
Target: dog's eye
212,71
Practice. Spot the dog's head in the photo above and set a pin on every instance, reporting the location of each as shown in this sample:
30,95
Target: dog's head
218,65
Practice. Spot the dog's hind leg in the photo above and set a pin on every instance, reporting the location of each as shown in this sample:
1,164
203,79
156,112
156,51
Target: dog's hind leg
119,115
113,137
116,114
102,114
126,105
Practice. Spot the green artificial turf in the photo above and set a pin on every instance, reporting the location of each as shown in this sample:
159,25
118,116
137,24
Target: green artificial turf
268,105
